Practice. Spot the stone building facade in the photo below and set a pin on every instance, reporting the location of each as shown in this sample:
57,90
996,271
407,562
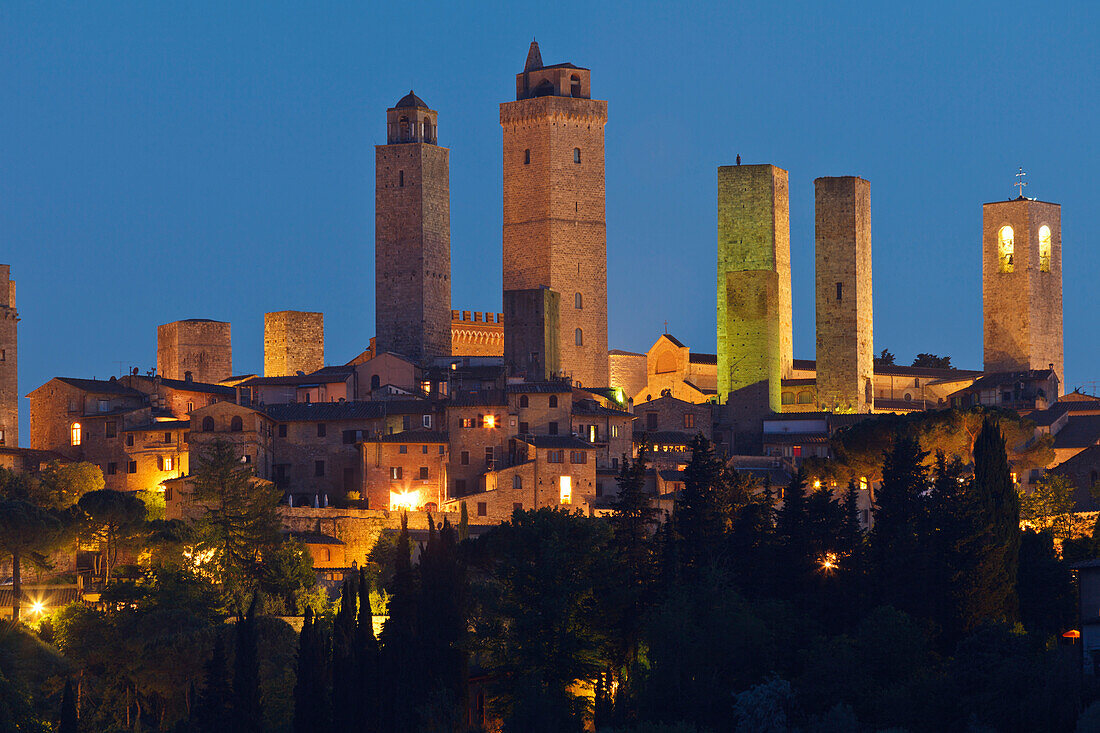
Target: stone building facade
412,235
845,344
626,372
198,349
294,341
754,281
1022,286
531,333
555,234
9,361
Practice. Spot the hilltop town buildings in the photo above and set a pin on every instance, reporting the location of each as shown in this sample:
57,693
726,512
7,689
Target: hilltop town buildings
526,407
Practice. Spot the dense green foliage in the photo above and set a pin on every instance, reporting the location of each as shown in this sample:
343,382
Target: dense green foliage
748,608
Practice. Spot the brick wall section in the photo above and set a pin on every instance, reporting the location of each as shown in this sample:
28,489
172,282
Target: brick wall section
294,341
555,233
9,360
199,346
1022,309
381,457
531,333
412,249
753,235
845,343
477,333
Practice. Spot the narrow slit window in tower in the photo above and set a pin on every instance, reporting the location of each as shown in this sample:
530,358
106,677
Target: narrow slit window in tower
576,155
578,301
527,156
839,291
578,337
401,179
1044,248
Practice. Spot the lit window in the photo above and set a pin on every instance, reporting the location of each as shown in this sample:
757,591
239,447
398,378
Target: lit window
74,434
169,463
565,489
1044,248
3,438
862,483
689,420
467,422
490,421
1006,246
405,500
395,473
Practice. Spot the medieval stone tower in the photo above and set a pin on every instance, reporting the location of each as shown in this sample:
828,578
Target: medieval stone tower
1022,286
294,341
754,282
412,235
845,343
555,234
198,348
9,361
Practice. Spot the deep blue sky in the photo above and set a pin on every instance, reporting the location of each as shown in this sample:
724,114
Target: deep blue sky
161,161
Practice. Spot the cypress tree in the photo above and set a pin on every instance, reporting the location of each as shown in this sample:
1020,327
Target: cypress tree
699,519
901,556
366,646
213,708
851,537
400,657
310,690
993,542
69,721
247,705
792,528
345,671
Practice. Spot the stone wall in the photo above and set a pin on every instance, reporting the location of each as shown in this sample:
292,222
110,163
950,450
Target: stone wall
199,346
9,361
477,333
532,332
294,341
555,233
1022,308
627,371
845,344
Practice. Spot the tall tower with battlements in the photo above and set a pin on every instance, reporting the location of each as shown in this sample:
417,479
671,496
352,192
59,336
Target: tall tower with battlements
412,235
9,361
555,234
1022,286
845,324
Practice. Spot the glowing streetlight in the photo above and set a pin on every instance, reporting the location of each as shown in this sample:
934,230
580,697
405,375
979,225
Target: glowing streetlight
37,608
828,562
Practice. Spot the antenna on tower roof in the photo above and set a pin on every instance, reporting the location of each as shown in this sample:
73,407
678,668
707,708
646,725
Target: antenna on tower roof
1020,182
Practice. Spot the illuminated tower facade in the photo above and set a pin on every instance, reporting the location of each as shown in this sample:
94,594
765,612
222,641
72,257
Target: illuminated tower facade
412,235
1022,286
9,361
555,234
845,324
754,281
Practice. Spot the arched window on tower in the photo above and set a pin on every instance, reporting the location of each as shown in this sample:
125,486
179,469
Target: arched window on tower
578,337
576,155
1005,248
1044,248
404,126
574,86
578,301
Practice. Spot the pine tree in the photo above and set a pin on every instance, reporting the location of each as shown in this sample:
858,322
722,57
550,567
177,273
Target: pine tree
792,528
698,514
851,536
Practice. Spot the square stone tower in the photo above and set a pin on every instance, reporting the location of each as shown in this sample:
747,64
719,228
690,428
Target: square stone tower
531,329
9,361
845,325
412,235
1022,286
294,341
198,348
754,281
555,234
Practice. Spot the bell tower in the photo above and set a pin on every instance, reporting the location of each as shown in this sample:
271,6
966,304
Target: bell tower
9,361
412,235
1022,286
555,234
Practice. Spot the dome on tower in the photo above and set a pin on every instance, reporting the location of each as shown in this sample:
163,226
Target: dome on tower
410,100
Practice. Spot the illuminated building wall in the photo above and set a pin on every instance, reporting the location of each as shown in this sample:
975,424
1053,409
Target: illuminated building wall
412,235
294,341
555,233
198,348
9,363
477,333
845,345
754,282
1022,286
531,333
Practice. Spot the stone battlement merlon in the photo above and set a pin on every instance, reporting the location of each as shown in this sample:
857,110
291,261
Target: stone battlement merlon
485,317
583,111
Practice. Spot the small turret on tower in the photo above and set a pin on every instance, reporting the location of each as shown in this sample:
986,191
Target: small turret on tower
410,121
